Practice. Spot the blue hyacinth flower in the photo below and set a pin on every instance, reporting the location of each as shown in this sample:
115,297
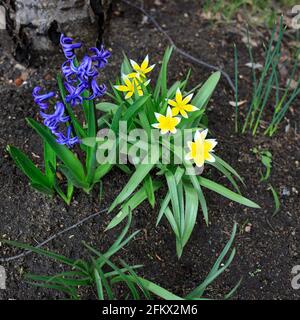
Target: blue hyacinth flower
67,139
68,46
98,91
40,99
100,56
52,121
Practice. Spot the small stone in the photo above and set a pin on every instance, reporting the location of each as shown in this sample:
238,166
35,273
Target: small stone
186,15
285,191
294,190
248,228
18,82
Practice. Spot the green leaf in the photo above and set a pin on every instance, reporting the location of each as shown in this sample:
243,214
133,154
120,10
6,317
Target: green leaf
229,168
101,171
29,168
201,99
65,155
41,188
157,290
134,108
161,84
131,204
138,176
50,163
276,200
73,179
211,185
107,107
201,197
191,210
178,176
148,185
43,252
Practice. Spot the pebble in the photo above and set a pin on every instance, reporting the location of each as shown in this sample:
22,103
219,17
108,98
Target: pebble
248,228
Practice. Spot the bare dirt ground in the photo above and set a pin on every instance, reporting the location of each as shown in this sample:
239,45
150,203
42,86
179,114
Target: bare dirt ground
265,254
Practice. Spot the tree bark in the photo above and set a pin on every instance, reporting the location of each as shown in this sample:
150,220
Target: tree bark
35,25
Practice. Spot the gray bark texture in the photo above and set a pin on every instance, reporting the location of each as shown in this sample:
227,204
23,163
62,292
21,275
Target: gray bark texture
36,25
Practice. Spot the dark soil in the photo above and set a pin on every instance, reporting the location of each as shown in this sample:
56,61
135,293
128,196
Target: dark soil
265,255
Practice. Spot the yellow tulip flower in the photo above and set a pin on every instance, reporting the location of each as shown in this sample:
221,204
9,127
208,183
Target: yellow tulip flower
129,87
201,148
142,70
166,123
180,105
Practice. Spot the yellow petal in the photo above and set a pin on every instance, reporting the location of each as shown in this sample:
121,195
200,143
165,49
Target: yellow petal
172,103
177,120
158,116
212,143
145,63
129,95
127,82
134,65
178,96
188,98
169,112
190,108
122,88
149,69
164,131
133,75
199,162
183,113
175,111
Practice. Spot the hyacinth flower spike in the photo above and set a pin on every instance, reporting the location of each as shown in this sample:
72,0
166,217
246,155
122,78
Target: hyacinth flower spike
67,139
201,148
52,121
100,56
98,91
40,99
181,105
68,46
74,95
166,123
142,70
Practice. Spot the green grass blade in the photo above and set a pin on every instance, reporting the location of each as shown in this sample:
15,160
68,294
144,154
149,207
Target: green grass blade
211,185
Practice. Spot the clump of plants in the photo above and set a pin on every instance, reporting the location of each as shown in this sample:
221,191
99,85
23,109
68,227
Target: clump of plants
170,122
103,275
266,86
62,131
158,134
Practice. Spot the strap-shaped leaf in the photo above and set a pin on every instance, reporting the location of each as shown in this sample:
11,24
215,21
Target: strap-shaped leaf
135,107
138,176
191,210
131,204
107,107
28,167
209,184
65,155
